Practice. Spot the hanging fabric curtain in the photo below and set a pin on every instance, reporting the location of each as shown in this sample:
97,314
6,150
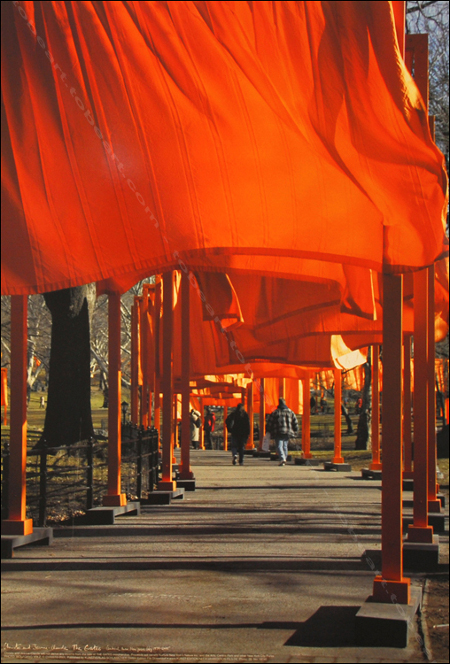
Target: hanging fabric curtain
139,134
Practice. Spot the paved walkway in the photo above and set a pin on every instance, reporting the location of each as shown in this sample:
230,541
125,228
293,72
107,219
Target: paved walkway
261,564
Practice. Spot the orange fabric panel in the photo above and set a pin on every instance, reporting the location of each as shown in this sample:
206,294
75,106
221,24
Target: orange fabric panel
441,370
343,357
4,396
137,134
271,392
231,402
214,348
323,380
194,403
294,395
219,299
353,379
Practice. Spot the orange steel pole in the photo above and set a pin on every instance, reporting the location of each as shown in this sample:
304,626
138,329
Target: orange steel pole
306,419
337,417
157,324
167,484
185,468
420,531
17,523
250,443
202,431
134,363
376,462
434,503
5,394
174,423
262,412
391,585
225,432
150,350
282,388
407,422
138,301
144,356
114,496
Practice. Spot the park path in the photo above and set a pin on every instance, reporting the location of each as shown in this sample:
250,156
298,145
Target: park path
260,564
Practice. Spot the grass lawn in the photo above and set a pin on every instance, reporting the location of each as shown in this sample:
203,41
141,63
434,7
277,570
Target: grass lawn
322,426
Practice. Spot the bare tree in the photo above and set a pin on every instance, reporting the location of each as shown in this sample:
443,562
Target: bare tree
433,18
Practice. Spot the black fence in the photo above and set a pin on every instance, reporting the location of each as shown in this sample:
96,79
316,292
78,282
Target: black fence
65,482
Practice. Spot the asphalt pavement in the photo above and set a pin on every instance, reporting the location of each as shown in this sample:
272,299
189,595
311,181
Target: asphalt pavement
261,563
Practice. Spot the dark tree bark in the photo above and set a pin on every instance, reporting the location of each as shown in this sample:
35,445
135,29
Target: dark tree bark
68,418
348,420
362,432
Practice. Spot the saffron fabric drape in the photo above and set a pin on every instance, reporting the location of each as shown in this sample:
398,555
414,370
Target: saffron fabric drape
138,134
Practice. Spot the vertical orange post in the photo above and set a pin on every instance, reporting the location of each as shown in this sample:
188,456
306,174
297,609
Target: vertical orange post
407,422
173,440
150,366
17,523
167,484
434,503
262,412
376,461
174,424
391,583
201,444
134,363
157,325
114,496
138,304
250,443
338,458
282,388
306,419
420,531
5,395
144,355
225,432
185,468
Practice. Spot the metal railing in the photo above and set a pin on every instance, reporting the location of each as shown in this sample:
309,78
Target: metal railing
67,481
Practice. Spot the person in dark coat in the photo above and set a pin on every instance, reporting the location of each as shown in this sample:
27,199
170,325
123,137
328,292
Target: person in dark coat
208,427
238,425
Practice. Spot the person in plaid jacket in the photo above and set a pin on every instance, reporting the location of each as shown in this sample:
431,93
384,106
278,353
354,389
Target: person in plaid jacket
282,424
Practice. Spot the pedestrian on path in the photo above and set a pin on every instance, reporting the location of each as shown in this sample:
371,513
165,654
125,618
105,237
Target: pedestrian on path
208,425
238,425
195,428
282,425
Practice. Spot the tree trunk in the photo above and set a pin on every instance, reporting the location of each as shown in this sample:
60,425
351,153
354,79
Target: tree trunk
68,418
347,419
363,439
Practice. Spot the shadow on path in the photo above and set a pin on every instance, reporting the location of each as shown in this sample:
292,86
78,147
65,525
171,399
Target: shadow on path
328,627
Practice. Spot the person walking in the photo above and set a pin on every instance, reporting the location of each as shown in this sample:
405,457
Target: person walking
195,422
282,425
238,425
209,424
